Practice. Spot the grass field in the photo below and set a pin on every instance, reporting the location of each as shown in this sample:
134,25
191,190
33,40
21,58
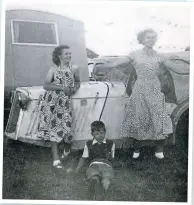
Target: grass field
28,174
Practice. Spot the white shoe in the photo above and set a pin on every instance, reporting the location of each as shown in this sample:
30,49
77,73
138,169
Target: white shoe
136,155
159,155
57,164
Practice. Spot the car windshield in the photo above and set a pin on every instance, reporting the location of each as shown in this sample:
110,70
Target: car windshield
114,74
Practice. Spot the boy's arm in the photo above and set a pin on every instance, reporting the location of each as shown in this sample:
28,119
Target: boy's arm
113,151
111,154
82,160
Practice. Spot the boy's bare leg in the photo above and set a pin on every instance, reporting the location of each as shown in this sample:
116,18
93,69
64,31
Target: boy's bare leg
105,183
93,186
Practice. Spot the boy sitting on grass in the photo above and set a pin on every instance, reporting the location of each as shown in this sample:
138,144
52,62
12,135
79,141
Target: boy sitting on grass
100,153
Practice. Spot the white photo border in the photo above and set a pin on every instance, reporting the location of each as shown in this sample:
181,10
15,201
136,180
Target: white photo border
189,5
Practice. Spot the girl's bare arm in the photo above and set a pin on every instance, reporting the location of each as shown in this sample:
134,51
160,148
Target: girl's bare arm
117,62
76,78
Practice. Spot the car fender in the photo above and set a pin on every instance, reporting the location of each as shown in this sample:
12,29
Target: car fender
176,114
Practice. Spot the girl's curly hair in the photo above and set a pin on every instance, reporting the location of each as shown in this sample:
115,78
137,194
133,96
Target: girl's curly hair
57,52
141,34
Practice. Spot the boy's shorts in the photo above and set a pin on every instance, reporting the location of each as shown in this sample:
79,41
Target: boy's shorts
101,170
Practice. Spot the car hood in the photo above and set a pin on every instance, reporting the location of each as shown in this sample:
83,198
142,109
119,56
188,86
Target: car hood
182,55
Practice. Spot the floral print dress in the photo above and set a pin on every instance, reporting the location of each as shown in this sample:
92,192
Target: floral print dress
146,117
56,111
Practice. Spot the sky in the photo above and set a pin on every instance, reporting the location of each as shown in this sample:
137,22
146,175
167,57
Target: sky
111,28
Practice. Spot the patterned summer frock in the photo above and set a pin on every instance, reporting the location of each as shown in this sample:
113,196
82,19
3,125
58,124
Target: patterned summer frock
56,110
146,117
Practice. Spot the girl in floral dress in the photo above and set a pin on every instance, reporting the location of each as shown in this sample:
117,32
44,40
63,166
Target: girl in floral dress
146,118
56,110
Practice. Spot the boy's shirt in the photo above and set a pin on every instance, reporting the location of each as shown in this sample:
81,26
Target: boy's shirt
86,153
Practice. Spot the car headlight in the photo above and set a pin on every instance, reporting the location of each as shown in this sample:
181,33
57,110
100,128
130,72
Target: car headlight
24,100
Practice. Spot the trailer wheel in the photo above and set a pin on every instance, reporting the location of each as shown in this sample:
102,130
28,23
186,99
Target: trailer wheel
182,134
7,141
6,117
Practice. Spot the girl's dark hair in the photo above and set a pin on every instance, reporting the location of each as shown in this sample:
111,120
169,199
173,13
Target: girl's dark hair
141,34
57,52
96,125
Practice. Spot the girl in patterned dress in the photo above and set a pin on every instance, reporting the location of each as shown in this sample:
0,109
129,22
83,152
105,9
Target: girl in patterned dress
56,110
145,117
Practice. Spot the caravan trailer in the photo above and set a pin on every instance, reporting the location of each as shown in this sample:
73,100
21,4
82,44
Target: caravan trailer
31,36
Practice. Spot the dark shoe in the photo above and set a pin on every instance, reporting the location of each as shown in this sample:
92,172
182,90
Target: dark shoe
93,187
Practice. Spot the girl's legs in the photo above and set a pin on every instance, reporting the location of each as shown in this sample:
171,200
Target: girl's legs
66,151
55,154
136,147
160,145
67,145
54,149
137,144
105,183
159,149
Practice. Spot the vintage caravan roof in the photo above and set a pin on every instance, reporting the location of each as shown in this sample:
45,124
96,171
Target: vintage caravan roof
31,36
11,9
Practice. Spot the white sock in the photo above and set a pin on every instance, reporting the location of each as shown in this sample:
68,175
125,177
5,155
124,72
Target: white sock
65,154
136,155
159,155
56,162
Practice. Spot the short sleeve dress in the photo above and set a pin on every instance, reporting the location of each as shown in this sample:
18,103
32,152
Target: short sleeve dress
146,117
56,110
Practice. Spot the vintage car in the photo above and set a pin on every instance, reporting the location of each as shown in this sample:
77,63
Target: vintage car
174,83
100,100
93,101
96,63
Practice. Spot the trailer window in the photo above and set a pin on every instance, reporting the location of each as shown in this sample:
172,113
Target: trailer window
34,33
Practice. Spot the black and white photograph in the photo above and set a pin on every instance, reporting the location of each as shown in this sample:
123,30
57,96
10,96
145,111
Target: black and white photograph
96,101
